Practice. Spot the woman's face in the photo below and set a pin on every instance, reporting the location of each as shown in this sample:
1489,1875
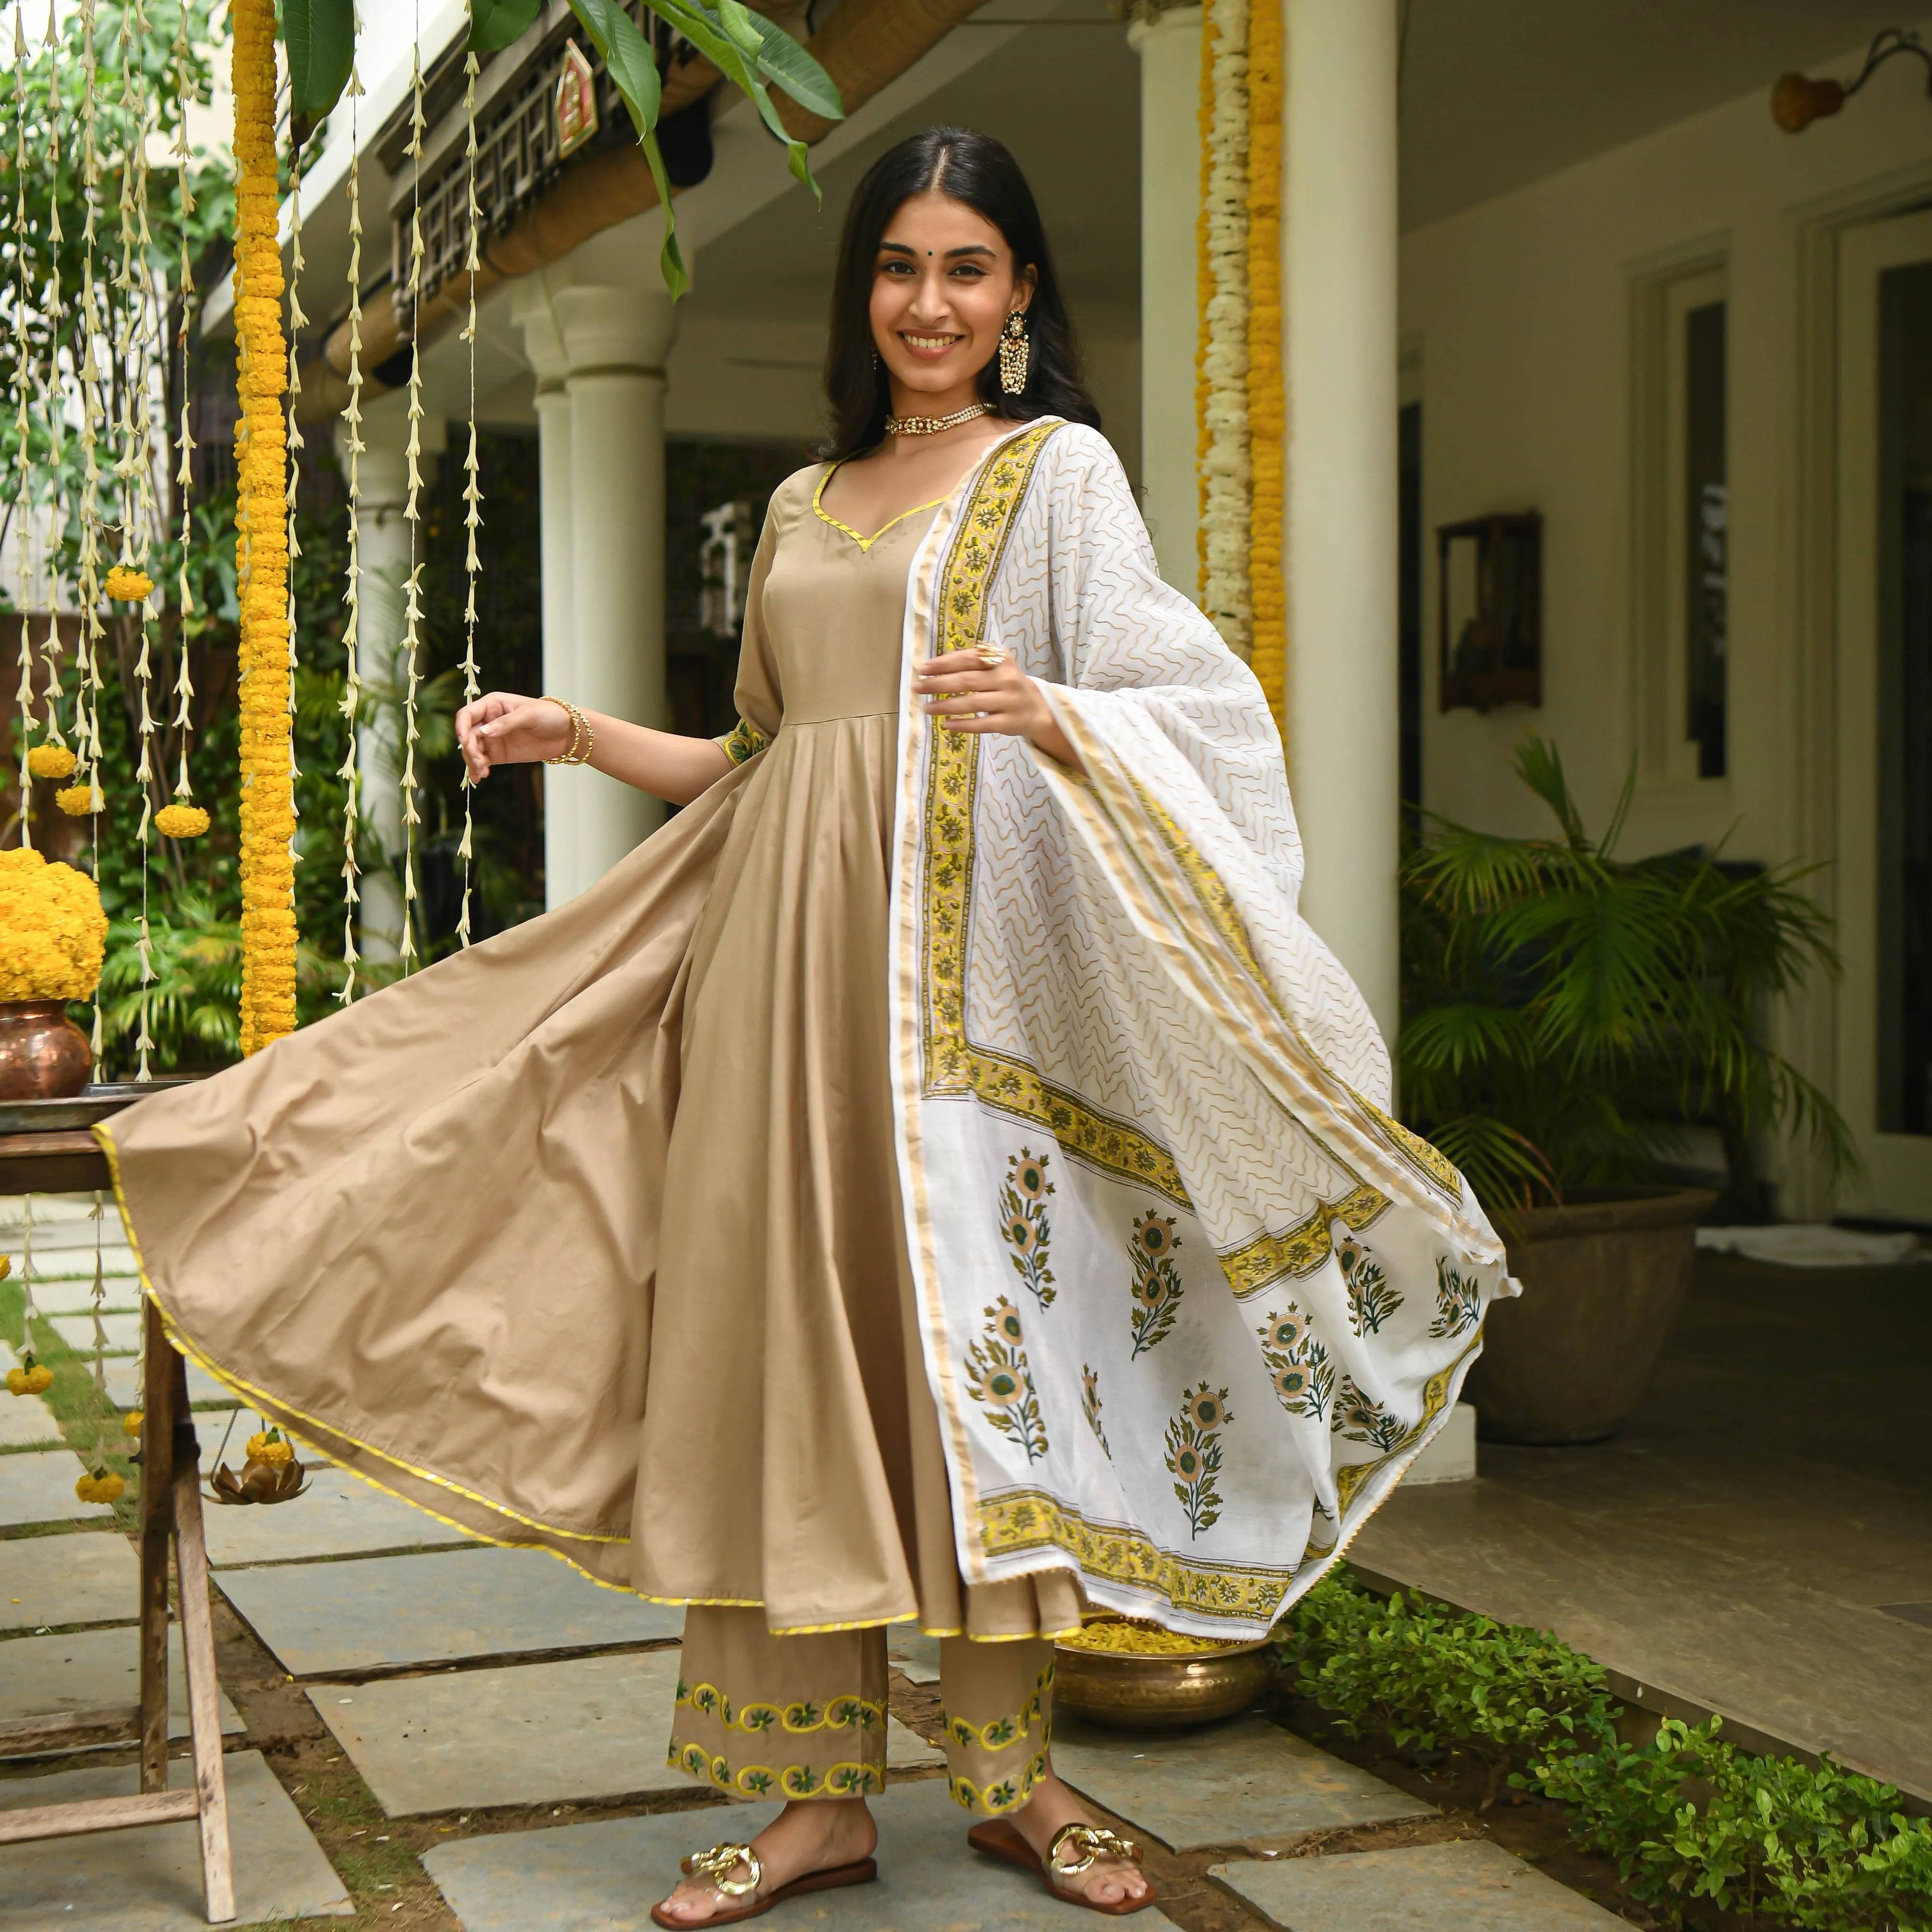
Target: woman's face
942,286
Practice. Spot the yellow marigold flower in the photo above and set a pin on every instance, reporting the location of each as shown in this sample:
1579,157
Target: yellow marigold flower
103,1485
181,821
50,761
6,1266
129,585
271,1447
1139,1640
51,928
78,801
130,1422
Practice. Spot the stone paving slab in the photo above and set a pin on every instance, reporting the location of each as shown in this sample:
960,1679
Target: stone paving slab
44,1676
1466,1885
583,1727
90,1578
608,1875
25,1419
909,1649
371,1613
75,1296
36,1486
124,1383
336,1515
123,1332
1243,1779
150,1880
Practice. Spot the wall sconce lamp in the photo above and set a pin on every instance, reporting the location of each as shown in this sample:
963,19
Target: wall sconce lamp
1796,101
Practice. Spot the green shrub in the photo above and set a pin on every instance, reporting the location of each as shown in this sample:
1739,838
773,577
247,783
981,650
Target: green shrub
1688,1817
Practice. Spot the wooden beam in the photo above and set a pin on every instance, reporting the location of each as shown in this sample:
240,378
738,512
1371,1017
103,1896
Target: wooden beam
97,1814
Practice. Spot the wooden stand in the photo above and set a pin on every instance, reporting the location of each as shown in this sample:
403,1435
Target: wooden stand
32,1163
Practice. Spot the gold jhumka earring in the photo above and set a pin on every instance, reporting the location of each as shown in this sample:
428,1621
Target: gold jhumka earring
1016,353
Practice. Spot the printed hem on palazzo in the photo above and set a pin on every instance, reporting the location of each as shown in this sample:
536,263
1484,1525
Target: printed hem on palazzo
844,1780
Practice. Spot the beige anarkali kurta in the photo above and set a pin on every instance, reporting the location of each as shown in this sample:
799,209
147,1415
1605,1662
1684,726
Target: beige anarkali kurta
786,1373
918,1161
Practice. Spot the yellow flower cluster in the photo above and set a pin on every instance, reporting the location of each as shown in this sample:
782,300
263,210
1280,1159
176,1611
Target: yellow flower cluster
128,584
1115,1638
79,801
268,802
1267,407
31,1377
271,1447
181,821
102,1485
53,931
50,761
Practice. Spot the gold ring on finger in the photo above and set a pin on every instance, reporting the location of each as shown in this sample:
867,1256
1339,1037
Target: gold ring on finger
991,656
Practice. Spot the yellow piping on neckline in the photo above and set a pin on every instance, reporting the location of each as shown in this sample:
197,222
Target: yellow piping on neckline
825,516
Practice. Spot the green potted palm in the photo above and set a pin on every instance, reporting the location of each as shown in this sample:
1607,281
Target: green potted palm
1567,1016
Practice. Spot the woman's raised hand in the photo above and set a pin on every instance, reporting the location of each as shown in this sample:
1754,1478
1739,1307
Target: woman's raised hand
502,728
965,693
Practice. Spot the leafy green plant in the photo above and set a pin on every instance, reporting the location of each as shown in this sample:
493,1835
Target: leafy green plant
753,53
1691,1820
1566,1012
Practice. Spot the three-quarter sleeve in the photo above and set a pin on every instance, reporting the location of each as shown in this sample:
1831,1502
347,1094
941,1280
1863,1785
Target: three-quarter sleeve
761,702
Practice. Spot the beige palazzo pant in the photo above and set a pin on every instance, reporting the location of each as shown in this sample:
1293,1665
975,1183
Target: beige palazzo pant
766,1716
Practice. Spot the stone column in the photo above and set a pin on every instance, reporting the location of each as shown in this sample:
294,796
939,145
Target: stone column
563,787
614,342
1169,46
1339,226
383,545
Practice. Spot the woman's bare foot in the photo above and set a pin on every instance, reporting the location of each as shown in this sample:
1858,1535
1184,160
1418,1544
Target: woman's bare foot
813,1835
1052,1806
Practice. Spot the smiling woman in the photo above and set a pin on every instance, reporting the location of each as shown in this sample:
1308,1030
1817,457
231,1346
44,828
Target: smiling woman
959,1173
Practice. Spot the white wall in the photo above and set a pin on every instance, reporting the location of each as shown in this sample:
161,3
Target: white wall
1522,310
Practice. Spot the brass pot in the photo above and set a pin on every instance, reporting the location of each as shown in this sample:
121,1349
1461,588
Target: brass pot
43,1055
1132,1692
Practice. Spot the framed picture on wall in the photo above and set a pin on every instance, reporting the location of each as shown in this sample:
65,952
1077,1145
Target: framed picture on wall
1490,611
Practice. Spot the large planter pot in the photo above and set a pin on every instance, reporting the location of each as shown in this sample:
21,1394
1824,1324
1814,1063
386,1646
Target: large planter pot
1603,1277
43,1055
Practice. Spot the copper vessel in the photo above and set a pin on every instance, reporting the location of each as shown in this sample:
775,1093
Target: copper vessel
1131,1691
43,1055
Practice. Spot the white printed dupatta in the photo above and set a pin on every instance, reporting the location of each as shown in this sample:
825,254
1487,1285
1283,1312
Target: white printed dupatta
1192,1301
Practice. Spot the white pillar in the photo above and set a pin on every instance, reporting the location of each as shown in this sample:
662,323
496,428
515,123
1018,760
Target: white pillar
1169,46
1338,275
383,556
563,787
614,342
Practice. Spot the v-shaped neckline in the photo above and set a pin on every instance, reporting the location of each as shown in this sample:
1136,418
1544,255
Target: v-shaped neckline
865,543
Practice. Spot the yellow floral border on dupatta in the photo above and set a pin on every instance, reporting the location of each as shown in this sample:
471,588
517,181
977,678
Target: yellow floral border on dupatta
953,1065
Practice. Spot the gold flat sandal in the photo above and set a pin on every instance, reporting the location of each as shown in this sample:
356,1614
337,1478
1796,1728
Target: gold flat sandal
1089,1843
718,1864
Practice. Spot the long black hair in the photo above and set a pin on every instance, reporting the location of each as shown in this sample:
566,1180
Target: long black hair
976,170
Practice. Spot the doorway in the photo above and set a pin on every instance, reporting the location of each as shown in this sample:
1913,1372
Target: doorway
1885,709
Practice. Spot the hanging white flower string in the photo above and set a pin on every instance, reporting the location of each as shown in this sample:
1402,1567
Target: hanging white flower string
412,583
135,470
298,320
1224,462
352,448
53,401
23,501
184,443
472,496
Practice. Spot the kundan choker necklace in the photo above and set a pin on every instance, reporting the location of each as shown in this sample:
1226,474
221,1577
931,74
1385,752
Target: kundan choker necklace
932,425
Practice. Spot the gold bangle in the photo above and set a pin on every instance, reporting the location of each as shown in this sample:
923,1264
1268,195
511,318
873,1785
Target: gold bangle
581,736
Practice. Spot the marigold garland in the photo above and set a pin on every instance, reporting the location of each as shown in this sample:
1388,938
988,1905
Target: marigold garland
80,801
127,585
267,801
1267,408
53,931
